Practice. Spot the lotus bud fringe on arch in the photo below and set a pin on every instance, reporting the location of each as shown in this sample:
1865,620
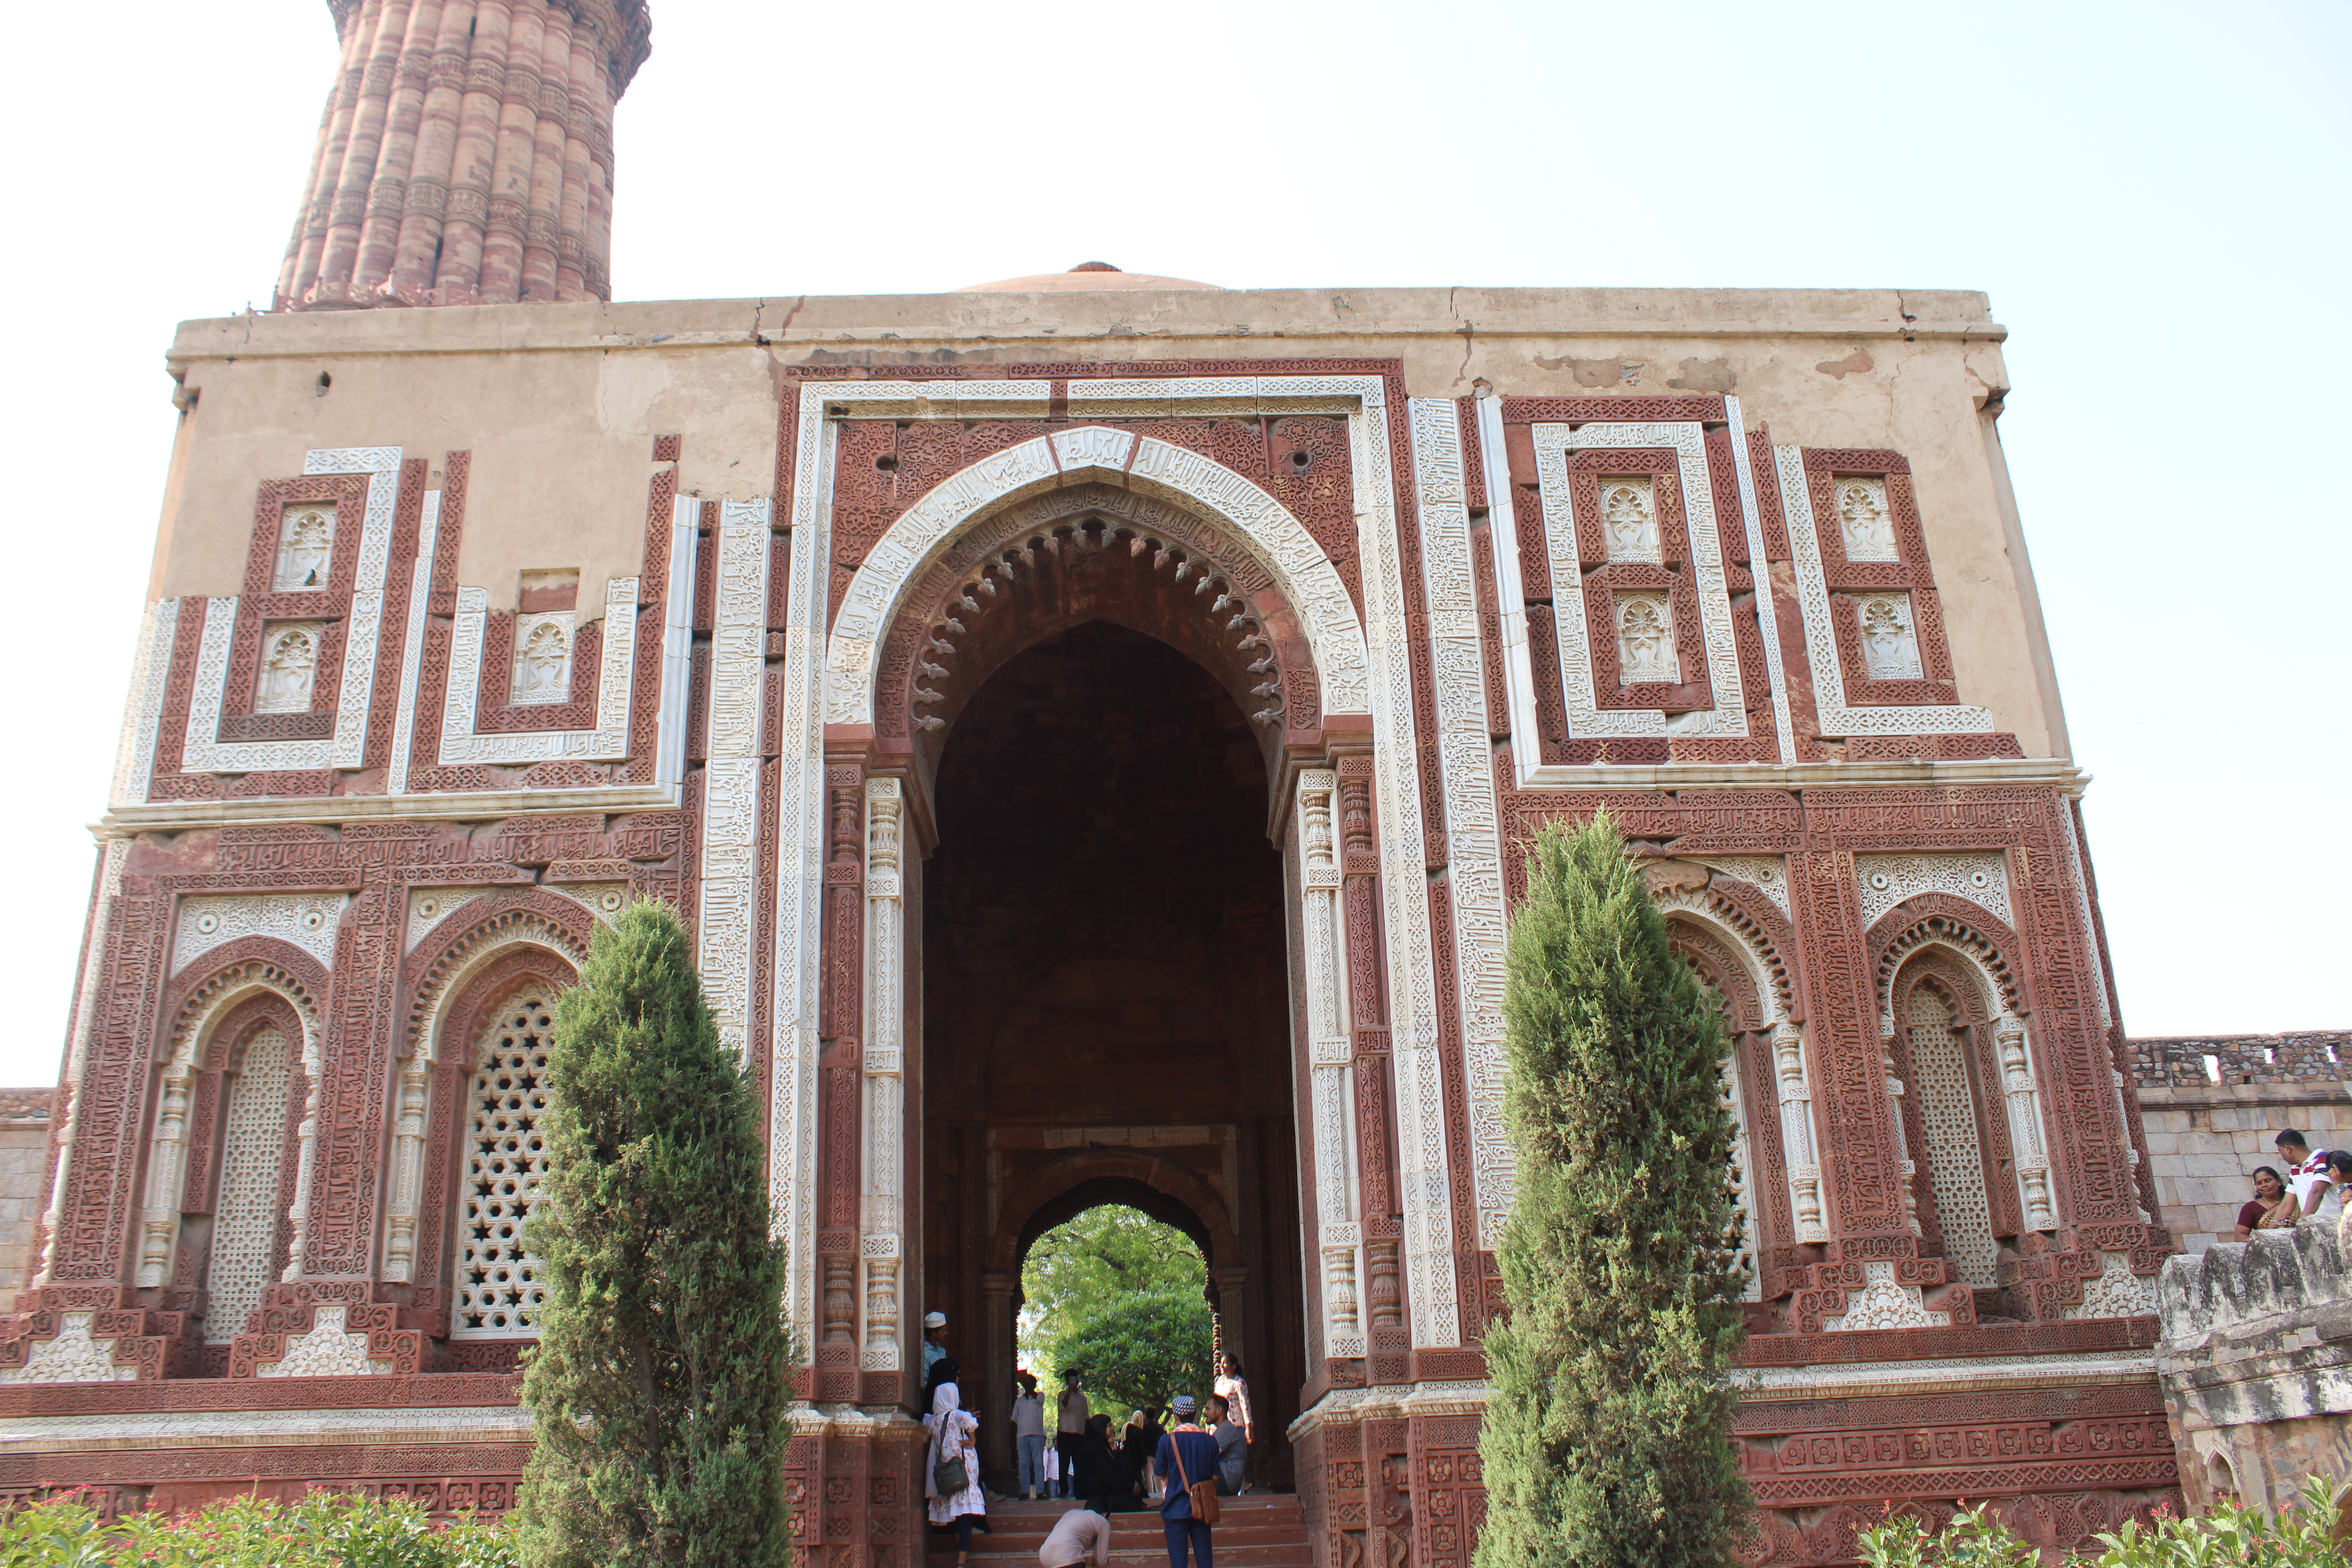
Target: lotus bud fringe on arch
1072,547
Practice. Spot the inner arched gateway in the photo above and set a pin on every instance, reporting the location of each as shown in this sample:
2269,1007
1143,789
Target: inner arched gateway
1105,1005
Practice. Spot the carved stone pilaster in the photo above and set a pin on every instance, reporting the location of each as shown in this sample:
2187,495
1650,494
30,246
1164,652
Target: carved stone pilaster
2019,1093
159,1220
1795,1094
840,1300
1331,1052
882,1208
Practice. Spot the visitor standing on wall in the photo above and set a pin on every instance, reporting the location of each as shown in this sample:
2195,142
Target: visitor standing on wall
1029,1436
951,1476
1069,1428
2272,1207
1185,1455
1234,1387
2331,1185
935,1342
2305,1165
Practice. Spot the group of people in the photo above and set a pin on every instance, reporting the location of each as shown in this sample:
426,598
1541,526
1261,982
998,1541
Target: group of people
1144,1464
2304,1190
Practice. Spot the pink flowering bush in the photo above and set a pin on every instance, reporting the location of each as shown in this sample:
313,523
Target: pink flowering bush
325,1530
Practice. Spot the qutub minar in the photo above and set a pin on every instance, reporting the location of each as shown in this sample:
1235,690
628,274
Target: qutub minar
1020,688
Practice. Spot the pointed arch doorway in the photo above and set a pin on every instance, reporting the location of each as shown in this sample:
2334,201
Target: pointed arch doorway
1106,1011
1104,703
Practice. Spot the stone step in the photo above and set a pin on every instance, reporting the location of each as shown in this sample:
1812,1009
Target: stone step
1260,1531
1298,1555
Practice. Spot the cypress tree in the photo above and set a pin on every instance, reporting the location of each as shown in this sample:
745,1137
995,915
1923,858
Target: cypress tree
661,1384
1607,1435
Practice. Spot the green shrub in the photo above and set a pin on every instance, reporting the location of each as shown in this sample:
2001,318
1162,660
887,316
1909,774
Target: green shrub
324,1530
660,1387
1607,1439
1141,1350
2227,1537
1973,1540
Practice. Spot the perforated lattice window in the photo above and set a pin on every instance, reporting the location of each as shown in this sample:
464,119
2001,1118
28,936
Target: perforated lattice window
244,1218
1742,1177
1955,1158
499,1290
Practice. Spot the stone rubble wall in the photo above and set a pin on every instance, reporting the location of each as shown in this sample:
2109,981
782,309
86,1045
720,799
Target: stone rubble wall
2206,1133
2255,1359
24,1145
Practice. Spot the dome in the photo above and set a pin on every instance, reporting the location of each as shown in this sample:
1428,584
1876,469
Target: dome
1085,277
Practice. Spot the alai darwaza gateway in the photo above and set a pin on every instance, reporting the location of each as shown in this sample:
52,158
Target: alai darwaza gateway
1016,688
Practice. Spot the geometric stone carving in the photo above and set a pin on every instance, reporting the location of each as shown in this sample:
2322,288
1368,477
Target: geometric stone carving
428,906
308,920
2117,1292
731,812
608,739
1887,879
542,659
1830,697
1645,638
290,662
305,547
245,1216
72,1357
1881,1303
1309,581
1768,874
1466,772
1629,521
1868,526
1890,650
1955,1157
328,1350
203,752
498,1286
1643,620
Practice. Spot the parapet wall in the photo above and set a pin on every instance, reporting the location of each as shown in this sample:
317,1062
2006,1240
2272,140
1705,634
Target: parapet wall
24,1147
2256,1361
2213,1105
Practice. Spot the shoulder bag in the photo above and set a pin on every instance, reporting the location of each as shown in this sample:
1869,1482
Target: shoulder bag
950,1475
1203,1493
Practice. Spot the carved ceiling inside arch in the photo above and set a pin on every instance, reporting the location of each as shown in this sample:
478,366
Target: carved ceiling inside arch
1093,552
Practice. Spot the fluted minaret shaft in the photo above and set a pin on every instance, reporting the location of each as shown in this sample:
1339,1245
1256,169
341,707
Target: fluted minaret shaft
466,155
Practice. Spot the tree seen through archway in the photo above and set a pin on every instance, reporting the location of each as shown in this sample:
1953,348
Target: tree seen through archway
1122,1298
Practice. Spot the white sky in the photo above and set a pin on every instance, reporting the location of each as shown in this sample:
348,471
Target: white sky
2154,196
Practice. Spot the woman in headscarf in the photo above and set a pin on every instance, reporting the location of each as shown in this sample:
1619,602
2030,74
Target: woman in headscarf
952,1431
1106,1475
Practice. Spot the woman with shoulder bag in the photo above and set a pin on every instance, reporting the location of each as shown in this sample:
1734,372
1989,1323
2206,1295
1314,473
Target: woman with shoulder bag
1188,1458
951,1476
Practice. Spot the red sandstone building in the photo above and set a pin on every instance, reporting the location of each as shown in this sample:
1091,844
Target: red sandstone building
1013,699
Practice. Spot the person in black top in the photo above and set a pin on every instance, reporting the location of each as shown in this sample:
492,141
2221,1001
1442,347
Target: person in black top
1145,1432
1105,1476
1186,1455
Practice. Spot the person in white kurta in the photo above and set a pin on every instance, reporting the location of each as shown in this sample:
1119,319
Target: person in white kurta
952,1429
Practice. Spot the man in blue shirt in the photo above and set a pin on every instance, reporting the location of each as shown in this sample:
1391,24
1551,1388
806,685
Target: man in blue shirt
1186,1455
